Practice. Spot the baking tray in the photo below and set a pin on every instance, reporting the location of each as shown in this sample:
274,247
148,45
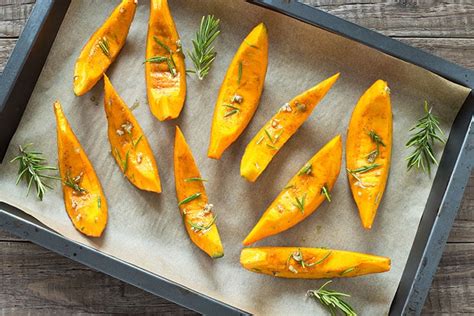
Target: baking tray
24,67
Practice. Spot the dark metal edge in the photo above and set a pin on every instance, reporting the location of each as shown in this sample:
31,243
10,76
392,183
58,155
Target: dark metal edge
35,41
15,221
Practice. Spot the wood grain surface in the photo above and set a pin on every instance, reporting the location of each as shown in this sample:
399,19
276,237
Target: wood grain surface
36,281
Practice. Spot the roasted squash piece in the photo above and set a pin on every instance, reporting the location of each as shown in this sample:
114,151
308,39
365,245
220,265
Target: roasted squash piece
311,263
276,132
240,92
129,144
83,196
103,47
197,214
165,71
369,150
303,194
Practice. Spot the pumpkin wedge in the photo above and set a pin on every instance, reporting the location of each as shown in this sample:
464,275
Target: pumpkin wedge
103,47
276,132
311,263
197,214
165,71
369,149
303,194
240,92
129,144
83,196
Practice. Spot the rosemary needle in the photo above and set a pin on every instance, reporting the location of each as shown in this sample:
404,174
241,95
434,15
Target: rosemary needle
32,165
196,179
189,198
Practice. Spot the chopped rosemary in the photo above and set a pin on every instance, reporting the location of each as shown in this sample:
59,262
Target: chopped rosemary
269,136
104,46
135,105
271,146
231,106
204,55
298,257
332,300
251,45
300,203
123,163
99,202
307,169
239,78
323,258
74,183
325,191
355,172
347,270
235,111
189,198
425,133
260,140
156,59
290,186
378,142
32,164
277,136
195,180
197,228
163,45
135,142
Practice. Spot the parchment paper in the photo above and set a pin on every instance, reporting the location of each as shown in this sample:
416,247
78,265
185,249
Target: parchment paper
146,229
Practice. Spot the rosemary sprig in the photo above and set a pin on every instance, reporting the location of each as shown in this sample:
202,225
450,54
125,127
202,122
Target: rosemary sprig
189,198
378,142
196,179
307,169
74,183
325,191
332,300
197,228
426,133
32,165
204,55
104,46
239,78
300,203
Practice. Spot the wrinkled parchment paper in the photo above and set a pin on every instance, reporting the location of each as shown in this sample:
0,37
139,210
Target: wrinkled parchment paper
146,229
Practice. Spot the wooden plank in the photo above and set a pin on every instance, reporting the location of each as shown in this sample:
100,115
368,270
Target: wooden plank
452,290
428,18
13,15
34,280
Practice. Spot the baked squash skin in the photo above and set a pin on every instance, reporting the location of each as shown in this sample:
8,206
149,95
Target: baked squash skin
84,199
128,142
303,194
239,95
198,217
103,47
369,150
166,87
311,263
278,130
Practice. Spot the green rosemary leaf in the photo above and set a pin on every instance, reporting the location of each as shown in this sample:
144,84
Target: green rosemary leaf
271,146
135,143
290,186
325,191
269,136
323,258
203,54
347,270
156,60
196,227
99,202
239,78
235,111
104,46
195,179
74,183
135,105
364,169
300,203
163,45
260,140
231,106
251,45
189,198
306,170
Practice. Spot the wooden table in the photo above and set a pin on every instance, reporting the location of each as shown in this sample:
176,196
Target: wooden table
35,280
